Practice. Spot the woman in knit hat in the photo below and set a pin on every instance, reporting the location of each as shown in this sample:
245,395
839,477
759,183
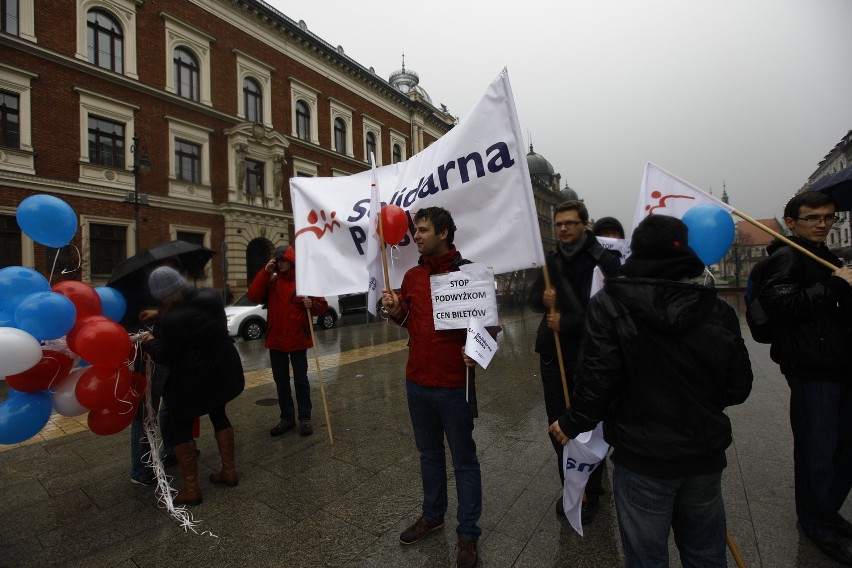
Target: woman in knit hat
205,373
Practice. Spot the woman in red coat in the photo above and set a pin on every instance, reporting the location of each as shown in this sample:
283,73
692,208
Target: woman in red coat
288,335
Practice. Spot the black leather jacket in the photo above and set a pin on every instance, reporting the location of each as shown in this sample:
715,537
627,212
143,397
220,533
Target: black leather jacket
811,310
659,362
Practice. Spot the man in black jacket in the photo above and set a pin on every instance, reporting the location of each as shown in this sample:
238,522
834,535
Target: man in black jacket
571,268
661,359
810,308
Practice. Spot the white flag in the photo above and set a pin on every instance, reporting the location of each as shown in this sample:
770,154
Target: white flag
480,346
580,457
664,193
478,171
374,246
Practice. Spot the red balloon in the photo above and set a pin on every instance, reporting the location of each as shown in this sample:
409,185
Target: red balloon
84,297
102,343
105,422
71,337
49,372
102,387
394,224
129,390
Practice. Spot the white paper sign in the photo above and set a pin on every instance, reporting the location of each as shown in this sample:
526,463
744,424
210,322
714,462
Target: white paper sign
480,346
459,296
619,246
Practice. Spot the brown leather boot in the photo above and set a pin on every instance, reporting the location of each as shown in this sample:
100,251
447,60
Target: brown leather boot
187,458
228,475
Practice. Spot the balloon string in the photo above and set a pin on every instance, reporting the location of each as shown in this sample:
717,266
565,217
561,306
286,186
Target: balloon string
79,262
53,268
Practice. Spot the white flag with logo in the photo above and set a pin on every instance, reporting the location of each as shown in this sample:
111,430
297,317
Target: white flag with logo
580,457
478,171
664,193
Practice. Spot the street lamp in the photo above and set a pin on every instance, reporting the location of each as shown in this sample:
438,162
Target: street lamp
141,166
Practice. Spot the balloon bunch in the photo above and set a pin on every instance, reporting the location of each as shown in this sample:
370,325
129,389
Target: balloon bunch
44,331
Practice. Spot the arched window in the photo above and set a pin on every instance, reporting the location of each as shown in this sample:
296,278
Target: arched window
253,97
339,135
105,41
397,153
186,74
303,120
371,146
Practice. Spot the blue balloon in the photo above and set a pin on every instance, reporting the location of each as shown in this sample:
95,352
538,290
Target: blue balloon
711,232
45,315
23,415
47,220
113,302
16,283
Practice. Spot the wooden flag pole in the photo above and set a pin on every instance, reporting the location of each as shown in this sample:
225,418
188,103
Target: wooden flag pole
319,375
781,237
547,286
732,546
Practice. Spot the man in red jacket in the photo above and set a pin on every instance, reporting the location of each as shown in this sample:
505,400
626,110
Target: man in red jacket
435,376
288,335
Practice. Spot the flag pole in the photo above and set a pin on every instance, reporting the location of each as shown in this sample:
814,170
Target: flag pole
781,237
319,375
547,286
732,546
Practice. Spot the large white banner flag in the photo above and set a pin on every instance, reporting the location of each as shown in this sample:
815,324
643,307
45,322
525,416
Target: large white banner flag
664,193
478,171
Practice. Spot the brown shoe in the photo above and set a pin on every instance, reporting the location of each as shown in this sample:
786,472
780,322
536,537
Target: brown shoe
305,427
419,530
467,557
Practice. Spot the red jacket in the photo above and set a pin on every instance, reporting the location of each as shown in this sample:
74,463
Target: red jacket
434,357
287,325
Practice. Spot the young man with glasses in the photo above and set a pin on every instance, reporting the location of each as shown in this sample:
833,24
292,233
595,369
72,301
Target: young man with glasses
571,267
810,307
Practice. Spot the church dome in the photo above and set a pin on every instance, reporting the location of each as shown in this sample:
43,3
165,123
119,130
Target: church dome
407,82
539,167
569,194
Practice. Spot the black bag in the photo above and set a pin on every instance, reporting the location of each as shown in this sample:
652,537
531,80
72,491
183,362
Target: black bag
759,324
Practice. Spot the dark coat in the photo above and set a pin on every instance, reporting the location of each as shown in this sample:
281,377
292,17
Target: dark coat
811,311
205,371
576,274
660,361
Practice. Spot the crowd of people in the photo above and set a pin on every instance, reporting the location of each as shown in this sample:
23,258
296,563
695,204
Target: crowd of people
655,356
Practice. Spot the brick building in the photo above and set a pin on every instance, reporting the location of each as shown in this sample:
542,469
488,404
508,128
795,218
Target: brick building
226,100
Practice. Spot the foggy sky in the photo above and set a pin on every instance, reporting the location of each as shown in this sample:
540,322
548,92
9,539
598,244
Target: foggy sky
752,92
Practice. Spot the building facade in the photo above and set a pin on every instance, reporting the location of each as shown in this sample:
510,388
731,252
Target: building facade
159,120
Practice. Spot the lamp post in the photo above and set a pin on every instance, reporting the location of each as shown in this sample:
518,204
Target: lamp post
141,166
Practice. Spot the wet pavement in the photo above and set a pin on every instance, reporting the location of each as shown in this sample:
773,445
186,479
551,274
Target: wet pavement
302,502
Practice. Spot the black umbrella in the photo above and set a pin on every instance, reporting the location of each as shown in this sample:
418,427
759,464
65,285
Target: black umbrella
192,259
839,186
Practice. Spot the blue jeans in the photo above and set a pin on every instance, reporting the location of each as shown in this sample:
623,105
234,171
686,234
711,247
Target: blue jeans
648,507
139,446
821,419
280,362
436,412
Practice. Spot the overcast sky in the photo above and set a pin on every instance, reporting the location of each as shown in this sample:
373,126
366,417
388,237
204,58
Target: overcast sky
752,92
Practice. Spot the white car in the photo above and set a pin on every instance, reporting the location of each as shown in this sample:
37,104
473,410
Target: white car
247,319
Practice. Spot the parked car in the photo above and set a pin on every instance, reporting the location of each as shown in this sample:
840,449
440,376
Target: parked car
247,319
356,303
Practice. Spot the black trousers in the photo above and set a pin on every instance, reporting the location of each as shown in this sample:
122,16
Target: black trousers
181,428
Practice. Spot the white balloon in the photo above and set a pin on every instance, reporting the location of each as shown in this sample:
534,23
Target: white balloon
19,351
64,396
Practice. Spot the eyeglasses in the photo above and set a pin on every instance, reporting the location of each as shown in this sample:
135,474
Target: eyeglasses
816,219
567,224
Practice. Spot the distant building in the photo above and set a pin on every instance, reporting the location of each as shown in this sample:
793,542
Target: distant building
225,100
839,240
748,249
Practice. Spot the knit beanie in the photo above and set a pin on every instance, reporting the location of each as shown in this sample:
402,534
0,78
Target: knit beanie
610,223
165,281
660,249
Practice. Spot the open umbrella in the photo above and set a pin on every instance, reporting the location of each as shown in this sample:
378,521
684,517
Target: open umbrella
192,259
839,186
130,277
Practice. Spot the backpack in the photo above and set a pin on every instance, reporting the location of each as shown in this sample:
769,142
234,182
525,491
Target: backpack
759,324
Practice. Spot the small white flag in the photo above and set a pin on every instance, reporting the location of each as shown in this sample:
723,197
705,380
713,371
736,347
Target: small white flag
480,346
580,457
664,193
374,246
